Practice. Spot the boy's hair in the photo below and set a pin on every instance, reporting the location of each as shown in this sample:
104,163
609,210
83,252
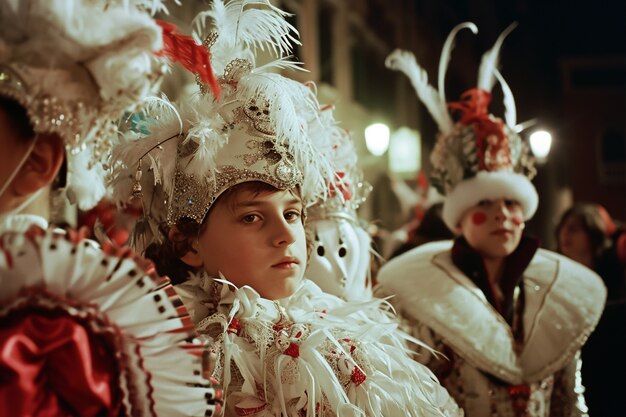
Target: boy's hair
166,255
20,124
17,117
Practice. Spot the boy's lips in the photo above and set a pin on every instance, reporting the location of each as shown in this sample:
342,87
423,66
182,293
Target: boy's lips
502,232
286,262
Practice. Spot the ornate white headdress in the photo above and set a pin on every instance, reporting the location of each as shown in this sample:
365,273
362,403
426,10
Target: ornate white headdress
258,129
347,191
480,156
76,66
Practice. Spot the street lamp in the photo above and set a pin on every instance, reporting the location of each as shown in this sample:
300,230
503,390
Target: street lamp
405,152
540,143
377,138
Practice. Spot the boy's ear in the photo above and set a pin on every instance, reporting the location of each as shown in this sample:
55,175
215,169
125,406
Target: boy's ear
41,166
192,257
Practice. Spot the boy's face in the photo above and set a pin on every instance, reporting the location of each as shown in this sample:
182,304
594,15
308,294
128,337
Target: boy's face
493,227
256,239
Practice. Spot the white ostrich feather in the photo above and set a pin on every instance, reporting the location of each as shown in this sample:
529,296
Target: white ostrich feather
206,131
154,150
405,62
292,105
446,52
489,62
510,111
86,180
520,127
288,99
280,64
246,25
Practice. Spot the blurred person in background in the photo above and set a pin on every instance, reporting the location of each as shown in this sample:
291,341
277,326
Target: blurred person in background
587,234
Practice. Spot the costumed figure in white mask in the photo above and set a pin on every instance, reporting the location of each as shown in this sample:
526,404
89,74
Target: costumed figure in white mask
342,249
85,331
224,182
509,317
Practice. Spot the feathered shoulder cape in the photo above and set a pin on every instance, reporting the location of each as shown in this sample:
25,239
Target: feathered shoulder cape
314,354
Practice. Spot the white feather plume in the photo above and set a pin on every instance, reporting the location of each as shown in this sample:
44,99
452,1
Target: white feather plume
292,106
280,64
446,52
510,111
206,131
289,100
86,181
155,150
489,61
243,26
520,127
405,62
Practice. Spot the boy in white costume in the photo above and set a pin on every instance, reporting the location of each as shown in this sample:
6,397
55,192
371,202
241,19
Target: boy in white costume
509,317
224,183
85,331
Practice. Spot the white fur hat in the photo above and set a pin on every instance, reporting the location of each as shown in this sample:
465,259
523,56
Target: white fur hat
480,156
489,185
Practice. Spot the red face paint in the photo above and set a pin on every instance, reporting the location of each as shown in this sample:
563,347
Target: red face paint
517,220
479,218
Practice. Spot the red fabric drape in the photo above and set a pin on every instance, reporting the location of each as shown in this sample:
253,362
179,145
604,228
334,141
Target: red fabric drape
53,366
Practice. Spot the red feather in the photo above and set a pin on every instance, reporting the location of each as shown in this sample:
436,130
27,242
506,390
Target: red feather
184,50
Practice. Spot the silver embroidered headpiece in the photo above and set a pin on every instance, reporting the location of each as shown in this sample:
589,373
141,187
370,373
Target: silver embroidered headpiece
250,154
76,70
260,128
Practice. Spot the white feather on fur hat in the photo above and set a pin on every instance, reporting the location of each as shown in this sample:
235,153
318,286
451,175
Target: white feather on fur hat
480,156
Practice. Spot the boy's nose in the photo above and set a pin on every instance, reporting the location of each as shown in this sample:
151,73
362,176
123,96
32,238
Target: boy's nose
501,210
283,233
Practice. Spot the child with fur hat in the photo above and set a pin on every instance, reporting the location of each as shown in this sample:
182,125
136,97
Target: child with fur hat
85,331
509,317
224,183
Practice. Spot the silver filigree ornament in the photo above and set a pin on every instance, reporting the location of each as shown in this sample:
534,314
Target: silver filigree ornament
78,125
236,69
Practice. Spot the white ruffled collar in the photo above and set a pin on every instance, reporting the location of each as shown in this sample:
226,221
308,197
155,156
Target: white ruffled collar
564,309
22,222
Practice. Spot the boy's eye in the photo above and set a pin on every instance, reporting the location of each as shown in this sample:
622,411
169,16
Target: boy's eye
250,218
484,203
293,215
510,203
